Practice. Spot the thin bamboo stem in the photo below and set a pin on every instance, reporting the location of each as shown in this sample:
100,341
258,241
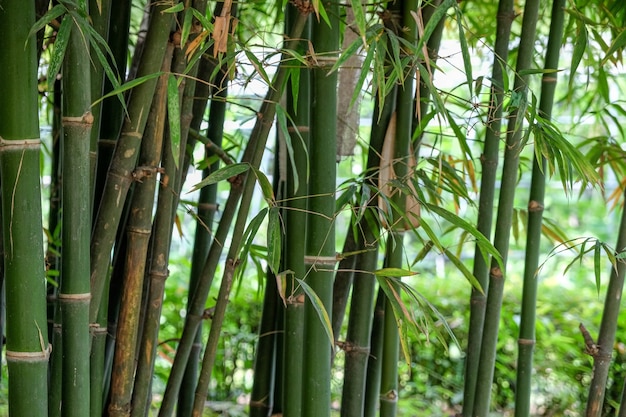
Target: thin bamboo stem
482,397
489,163
526,341
120,175
252,155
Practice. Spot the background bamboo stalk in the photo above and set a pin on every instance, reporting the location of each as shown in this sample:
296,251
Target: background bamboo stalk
505,213
27,348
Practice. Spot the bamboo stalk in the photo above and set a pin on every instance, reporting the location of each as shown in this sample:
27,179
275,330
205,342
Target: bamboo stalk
489,162
482,397
374,368
74,292
138,231
252,155
207,207
27,347
295,237
320,247
526,341
603,350
119,177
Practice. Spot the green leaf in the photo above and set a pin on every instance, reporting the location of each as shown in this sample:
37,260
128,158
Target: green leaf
248,237
579,50
184,33
258,66
129,85
51,15
618,43
221,174
596,266
173,115
463,269
467,61
319,309
394,272
266,186
274,240
179,7
402,315
359,17
58,53
345,198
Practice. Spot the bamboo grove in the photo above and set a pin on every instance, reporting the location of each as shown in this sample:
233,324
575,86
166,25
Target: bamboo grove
138,98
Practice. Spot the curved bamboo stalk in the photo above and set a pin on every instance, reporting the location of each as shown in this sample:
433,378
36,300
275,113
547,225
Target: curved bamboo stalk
482,397
526,341
489,162
27,348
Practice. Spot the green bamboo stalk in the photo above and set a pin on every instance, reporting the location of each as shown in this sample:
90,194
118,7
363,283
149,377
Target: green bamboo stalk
320,248
252,155
100,14
526,341
112,113
603,350
119,177
74,292
357,344
138,231
207,206
261,397
27,348
489,162
295,237
505,213
374,368
344,278
394,246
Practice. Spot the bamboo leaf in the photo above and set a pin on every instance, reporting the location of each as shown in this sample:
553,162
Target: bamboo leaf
184,33
281,118
463,269
467,61
400,311
52,14
266,186
319,309
248,237
394,272
359,17
579,49
596,266
173,115
179,7
60,45
618,43
221,174
345,198
258,66
127,86
274,240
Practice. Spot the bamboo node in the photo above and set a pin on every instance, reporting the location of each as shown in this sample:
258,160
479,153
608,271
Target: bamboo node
85,119
74,297
320,260
9,144
96,329
534,205
527,342
41,356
